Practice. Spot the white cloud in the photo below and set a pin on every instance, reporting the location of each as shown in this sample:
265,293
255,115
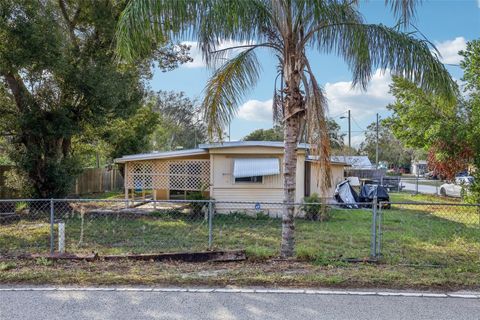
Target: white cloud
255,110
449,49
478,3
363,104
196,53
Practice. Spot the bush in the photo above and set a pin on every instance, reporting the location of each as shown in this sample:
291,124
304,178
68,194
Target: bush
196,208
314,209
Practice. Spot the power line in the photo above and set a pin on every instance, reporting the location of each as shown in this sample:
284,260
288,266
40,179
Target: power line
356,123
337,115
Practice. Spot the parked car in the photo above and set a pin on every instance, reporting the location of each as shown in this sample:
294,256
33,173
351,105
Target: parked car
457,187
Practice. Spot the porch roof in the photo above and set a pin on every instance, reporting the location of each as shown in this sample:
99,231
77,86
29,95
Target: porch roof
161,155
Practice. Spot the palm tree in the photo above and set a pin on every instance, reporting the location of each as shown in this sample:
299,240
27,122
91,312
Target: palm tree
287,28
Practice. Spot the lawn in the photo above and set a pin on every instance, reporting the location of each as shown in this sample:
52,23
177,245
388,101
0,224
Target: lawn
445,239
411,234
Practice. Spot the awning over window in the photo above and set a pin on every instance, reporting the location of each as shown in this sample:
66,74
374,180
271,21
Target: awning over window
252,167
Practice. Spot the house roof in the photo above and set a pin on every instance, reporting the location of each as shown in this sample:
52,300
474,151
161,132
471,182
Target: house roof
333,160
354,161
203,149
161,155
233,144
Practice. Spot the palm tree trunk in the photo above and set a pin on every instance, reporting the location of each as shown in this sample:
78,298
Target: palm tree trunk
294,109
289,182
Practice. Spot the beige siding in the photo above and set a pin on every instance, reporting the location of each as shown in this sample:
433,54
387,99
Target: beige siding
337,177
224,187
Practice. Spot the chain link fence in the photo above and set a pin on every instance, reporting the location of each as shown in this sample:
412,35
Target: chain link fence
434,234
431,234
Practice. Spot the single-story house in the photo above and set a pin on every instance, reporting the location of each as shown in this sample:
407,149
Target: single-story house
230,171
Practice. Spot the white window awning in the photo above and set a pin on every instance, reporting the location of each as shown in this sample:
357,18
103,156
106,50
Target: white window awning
252,167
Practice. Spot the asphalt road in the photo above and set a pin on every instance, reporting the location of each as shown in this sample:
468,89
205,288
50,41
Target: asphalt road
134,304
425,189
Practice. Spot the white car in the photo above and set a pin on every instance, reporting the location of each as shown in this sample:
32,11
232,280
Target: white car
456,189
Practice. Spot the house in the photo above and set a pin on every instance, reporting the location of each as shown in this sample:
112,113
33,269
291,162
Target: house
419,167
230,171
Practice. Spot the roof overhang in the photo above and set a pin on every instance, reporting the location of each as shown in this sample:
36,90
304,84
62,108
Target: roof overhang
161,155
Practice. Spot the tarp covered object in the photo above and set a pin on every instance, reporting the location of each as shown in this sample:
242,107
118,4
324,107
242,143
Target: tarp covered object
368,192
344,193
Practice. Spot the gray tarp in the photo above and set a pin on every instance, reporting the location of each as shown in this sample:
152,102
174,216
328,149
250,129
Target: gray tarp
345,194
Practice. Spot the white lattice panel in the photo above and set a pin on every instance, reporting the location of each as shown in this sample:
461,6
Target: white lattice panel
187,175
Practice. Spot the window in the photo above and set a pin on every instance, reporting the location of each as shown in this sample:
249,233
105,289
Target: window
255,179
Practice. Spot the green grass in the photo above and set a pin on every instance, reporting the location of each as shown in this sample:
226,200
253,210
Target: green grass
412,234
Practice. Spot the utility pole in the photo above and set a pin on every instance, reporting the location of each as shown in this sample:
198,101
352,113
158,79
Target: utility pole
349,117
349,131
376,147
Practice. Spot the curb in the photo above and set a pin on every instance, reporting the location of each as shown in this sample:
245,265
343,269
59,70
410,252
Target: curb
251,291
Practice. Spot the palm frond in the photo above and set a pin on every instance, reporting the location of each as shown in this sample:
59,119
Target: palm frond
226,88
145,24
277,101
366,47
231,20
403,9
317,126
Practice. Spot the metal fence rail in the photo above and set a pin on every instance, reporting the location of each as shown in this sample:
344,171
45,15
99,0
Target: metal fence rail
395,233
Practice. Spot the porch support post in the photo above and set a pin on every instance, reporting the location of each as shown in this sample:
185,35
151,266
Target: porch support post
125,184
154,199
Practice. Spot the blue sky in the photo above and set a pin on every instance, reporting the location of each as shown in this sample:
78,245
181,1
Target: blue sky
447,23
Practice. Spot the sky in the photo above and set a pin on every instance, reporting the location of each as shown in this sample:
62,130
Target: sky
449,24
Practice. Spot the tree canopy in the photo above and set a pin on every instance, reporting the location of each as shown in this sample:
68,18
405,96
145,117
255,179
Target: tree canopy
60,77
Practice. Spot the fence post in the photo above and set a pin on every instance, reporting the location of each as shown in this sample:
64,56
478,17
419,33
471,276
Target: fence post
210,220
416,184
52,218
373,241
379,234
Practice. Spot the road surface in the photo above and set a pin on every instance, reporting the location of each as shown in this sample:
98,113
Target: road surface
425,189
145,303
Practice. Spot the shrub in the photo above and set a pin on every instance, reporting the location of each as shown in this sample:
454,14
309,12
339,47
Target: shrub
314,209
196,207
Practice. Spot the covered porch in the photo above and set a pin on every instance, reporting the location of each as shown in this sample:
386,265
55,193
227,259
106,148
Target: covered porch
168,175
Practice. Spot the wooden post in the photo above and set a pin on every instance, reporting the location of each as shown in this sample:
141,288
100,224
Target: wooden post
154,199
125,183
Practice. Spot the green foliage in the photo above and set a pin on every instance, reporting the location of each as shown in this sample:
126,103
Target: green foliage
391,149
131,135
314,209
179,123
199,204
65,100
432,123
5,266
471,76
42,261
273,134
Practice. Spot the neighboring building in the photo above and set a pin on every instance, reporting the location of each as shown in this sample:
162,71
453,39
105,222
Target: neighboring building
355,162
419,167
232,171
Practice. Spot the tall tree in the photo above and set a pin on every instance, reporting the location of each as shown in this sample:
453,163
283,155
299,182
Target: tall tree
272,134
276,134
391,150
471,75
289,29
426,121
59,76
181,124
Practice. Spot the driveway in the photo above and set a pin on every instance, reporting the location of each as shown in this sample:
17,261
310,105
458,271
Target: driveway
148,303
